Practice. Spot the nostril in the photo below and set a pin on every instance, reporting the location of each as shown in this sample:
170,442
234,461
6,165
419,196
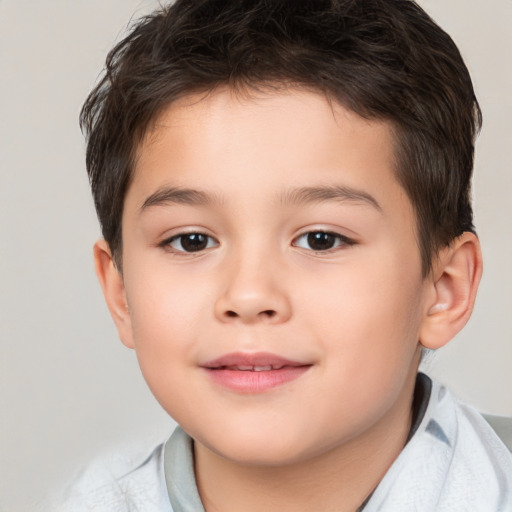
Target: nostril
270,313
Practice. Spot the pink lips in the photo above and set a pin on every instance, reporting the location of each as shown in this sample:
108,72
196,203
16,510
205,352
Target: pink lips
253,373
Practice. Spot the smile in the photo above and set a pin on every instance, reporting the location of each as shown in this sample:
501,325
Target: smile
246,368
254,373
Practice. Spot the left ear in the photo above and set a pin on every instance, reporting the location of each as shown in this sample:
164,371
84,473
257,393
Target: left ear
454,282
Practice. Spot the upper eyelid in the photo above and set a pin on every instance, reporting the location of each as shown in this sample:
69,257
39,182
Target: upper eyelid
327,231
191,232
184,232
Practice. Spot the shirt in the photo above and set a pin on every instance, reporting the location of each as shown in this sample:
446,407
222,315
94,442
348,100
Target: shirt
453,461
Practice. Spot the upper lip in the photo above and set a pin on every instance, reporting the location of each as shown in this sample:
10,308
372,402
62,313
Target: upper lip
239,360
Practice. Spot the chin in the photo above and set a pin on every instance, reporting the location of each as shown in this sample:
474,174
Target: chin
260,455
257,448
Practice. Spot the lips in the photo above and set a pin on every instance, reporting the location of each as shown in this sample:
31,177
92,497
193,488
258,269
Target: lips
254,373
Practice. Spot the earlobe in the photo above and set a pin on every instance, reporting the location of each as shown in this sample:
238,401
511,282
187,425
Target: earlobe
112,284
454,283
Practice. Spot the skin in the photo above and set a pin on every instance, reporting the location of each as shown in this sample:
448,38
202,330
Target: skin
358,313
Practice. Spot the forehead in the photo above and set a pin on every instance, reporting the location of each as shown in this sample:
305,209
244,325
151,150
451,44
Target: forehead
265,142
224,119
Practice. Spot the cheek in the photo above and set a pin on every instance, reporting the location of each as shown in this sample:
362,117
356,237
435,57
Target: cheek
165,347
166,305
368,315
369,338
169,318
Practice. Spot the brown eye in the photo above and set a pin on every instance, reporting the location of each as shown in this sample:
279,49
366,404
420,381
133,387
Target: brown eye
191,242
321,241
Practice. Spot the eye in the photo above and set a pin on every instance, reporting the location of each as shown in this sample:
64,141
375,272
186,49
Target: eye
190,242
321,240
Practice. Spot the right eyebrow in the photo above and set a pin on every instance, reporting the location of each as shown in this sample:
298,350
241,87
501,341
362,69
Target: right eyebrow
177,195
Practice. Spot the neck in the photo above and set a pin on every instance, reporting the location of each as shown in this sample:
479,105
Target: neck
339,479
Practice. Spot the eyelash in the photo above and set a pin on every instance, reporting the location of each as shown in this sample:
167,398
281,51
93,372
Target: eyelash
168,243
336,239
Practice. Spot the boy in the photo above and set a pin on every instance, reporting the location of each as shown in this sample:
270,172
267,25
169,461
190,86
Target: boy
284,194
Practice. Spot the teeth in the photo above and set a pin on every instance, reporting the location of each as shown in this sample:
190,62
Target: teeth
250,368
262,368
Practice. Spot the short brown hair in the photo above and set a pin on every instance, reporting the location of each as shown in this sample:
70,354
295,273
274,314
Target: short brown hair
383,59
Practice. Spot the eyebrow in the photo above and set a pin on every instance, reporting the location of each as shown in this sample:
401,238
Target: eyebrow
177,195
296,196
306,195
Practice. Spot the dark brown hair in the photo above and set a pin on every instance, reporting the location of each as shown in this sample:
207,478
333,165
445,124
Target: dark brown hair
383,59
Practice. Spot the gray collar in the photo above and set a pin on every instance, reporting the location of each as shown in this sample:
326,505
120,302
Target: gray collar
179,473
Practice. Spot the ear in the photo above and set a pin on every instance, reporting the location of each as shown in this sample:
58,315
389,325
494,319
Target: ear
454,282
111,281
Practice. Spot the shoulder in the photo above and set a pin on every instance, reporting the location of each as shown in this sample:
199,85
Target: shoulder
467,452
469,435
454,461
127,482
490,435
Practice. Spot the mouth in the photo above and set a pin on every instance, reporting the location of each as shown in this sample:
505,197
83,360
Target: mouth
254,373
250,368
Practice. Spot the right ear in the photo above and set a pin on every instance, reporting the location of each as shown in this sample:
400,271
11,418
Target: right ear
112,284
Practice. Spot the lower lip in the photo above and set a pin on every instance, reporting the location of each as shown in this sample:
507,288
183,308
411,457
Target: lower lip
256,382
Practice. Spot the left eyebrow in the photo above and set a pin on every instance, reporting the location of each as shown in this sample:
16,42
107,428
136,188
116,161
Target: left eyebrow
305,195
177,195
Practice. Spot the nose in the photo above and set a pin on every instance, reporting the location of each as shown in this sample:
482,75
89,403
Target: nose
251,292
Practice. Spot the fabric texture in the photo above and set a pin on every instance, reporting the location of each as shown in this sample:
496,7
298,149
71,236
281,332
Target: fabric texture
454,462
122,485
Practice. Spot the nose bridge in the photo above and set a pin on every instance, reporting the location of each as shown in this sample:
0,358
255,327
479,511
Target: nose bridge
251,289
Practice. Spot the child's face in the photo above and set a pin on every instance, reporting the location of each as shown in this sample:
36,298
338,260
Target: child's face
307,257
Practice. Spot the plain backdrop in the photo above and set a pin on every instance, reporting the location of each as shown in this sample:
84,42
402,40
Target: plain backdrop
68,388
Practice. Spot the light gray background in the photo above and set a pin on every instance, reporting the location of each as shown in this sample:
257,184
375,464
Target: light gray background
68,388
